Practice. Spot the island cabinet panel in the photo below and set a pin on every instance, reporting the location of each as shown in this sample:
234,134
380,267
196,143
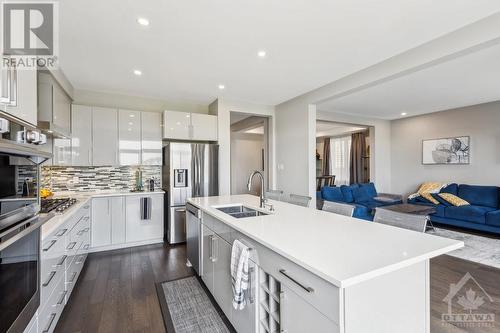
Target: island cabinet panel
297,315
208,265
405,292
223,292
324,296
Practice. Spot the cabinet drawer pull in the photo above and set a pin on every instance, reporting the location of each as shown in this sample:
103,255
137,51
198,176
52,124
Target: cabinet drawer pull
251,299
308,289
282,305
62,260
52,242
51,276
61,300
71,246
61,232
73,276
82,259
86,247
49,324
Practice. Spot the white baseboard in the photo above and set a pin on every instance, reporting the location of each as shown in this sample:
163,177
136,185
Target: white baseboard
125,245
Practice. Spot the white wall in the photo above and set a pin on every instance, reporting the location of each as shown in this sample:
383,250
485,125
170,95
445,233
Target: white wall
246,156
296,147
104,99
380,145
223,108
480,122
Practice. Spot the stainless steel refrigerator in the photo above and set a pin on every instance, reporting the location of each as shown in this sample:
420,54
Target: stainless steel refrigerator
189,170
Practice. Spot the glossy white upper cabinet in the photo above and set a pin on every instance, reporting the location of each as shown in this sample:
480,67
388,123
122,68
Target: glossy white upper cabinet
24,94
61,112
105,136
129,125
151,138
177,125
81,135
54,106
189,126
204,127
61,154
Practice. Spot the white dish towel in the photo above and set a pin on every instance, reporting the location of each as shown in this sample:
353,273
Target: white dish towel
240,255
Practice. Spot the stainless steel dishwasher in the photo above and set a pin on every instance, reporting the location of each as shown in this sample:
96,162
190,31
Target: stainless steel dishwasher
194,237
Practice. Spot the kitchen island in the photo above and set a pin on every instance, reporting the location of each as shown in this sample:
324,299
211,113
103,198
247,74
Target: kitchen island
317,271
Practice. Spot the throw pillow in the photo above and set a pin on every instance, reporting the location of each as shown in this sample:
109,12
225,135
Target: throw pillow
441,200
431,187
332,193
360,194
370,188
453,199
347,193
430,198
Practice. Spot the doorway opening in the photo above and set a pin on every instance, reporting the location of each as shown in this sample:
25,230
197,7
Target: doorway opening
249,151
342,153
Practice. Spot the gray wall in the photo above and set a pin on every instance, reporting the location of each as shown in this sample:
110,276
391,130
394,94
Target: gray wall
480,122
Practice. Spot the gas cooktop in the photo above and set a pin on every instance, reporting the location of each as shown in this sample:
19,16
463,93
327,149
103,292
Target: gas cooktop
58,205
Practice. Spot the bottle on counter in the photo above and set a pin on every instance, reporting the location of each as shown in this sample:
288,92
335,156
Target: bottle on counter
26,190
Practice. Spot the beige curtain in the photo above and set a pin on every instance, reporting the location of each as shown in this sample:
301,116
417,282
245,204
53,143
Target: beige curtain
326,157
358,172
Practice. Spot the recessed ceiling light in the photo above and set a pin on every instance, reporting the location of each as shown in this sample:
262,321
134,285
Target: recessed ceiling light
404,113
143,21
131,123
261,54
137,72
222,87
132,116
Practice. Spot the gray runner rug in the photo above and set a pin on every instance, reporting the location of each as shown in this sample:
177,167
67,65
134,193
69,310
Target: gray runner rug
479,249
190,308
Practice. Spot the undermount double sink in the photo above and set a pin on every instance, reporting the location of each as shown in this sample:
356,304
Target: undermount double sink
240,211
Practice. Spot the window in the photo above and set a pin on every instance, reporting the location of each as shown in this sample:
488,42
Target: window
340,152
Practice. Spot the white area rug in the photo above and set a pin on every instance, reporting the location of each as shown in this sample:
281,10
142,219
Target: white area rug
477,248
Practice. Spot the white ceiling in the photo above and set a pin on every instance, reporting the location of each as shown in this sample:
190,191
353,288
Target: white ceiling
191,47
325,128
468,80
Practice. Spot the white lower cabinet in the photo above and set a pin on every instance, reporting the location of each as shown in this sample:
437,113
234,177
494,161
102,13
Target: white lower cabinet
217,278
108,221
62,258
144,219
223,292
122,220
283,297
297,315
208,265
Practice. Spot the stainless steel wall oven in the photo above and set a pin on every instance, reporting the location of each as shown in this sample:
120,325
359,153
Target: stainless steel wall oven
19,234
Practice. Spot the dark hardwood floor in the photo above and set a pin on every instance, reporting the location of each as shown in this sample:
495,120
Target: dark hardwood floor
116,290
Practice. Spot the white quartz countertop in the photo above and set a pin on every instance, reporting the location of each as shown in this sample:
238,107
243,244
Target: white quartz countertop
340,249
83,198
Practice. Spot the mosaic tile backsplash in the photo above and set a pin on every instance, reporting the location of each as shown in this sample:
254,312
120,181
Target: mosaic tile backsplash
85,179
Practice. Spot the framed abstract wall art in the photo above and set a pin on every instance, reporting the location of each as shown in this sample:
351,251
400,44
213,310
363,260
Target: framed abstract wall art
446,151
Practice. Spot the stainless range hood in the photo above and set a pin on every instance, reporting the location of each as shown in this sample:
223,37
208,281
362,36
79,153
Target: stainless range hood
23,150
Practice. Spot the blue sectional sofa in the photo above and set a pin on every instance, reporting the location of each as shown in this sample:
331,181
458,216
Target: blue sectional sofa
482,214
362,196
